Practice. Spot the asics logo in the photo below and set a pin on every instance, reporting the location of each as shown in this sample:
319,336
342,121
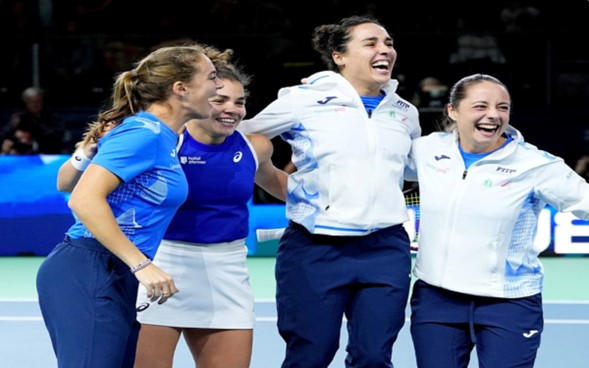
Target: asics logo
237,157
441,157
141,307
77,158
530,333
327,99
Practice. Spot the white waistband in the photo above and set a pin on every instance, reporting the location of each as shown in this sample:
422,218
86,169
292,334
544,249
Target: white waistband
201,247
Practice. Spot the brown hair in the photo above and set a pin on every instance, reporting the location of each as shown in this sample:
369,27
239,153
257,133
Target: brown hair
458,93
149,82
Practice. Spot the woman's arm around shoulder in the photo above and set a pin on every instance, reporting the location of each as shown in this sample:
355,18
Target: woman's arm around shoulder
70,171
268,177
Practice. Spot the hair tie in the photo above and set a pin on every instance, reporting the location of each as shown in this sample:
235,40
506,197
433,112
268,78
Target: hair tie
134,73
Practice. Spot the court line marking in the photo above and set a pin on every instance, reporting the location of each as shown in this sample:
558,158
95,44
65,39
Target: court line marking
567,301
566,321
20,319
274,319
270,300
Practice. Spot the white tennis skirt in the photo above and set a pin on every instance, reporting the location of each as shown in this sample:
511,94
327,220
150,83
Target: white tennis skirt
213,280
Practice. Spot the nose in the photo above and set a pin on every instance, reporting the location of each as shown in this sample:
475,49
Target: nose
387,51
384,49
493,113
229,108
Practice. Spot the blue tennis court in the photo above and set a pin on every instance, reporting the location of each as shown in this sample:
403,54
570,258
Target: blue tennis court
24,342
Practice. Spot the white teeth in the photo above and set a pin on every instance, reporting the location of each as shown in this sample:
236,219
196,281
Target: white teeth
381,63
227,121
487,127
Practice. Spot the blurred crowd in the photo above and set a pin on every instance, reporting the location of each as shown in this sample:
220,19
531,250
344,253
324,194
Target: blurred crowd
34,129
64,54
77,45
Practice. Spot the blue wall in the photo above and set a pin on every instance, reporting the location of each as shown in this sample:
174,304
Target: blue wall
34,216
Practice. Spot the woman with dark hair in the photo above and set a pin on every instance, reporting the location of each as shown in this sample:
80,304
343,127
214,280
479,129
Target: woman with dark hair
345,251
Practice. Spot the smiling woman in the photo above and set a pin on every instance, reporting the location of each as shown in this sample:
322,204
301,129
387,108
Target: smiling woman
350,134
480,209
123,202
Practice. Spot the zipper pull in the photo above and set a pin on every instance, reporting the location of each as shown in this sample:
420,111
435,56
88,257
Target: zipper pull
464,174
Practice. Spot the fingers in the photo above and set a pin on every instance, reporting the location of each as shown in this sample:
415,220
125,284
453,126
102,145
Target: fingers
162,293
162,296
159,286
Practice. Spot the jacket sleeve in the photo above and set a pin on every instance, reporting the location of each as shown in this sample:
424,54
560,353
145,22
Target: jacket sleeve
564,189
416,133
410,173
274,119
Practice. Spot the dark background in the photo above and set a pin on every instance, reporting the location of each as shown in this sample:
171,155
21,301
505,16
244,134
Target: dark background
73,49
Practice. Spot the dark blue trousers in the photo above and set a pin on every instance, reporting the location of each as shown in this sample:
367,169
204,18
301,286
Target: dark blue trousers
446,326
320,279
87,297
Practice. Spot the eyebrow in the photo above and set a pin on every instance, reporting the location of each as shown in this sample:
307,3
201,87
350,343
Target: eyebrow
227,97
376,39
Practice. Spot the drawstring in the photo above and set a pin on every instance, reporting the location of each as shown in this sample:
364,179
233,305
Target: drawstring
473,338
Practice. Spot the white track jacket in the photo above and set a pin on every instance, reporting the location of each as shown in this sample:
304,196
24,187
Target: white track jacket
349,163
477,226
